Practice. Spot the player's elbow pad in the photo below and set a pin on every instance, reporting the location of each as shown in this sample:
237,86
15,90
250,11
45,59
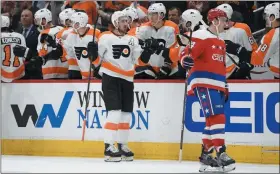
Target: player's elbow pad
145,56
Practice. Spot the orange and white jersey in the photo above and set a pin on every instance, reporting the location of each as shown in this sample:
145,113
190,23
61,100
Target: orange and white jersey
268,51
12,66
118,55
241,34
132,31
52,68
166,35
76,48
60,38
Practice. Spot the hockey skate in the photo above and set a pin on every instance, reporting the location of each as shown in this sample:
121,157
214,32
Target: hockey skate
126,153
208,164
112,154
226,163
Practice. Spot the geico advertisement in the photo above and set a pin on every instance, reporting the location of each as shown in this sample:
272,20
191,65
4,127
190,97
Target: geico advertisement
252,115
57,111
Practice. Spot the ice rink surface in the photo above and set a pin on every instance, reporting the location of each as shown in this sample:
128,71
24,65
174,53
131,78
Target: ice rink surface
34,164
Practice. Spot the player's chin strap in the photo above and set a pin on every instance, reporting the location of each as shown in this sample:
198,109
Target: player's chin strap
217,27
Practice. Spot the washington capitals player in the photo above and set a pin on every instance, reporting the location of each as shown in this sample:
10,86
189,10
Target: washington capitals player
207,81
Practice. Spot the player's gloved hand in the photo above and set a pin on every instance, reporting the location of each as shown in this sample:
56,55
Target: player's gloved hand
20,51
233,48
92,50
36,62
187,62
165,70
151,45
244,70
47,38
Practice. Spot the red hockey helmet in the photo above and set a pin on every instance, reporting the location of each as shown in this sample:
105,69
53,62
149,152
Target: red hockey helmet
215,13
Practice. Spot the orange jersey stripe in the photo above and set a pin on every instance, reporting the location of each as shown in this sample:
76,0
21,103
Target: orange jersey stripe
111,126
123,126
259,55
115,69
72,61
55,70
274,69
230,68
14,74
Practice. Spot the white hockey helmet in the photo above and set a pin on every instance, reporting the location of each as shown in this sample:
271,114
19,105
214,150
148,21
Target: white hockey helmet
79,19
41,14
227,9
66,14
272,9
5,21
131,12
191,15
116,17
157,8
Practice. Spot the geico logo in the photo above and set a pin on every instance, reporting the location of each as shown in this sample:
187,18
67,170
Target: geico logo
218,57
259,110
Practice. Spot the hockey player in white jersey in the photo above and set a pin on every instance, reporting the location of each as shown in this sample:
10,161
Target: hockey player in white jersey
268,50
133,20
241,34
56,66
165,31
12,66
65,20
118,54
76,43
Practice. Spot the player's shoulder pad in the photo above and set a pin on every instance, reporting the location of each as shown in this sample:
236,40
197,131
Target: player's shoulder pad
169,23
104,34
203,34
244,27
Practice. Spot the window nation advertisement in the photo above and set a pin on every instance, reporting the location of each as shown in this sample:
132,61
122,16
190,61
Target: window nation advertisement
56,112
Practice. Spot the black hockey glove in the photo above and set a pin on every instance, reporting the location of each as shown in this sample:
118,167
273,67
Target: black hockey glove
165,70
238,50
151,45
92,50
36,62
49,39
232,48
244,70
187,62
22,51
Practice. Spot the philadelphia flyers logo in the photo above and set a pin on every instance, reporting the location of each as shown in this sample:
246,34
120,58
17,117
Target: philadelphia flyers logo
81,52
120,50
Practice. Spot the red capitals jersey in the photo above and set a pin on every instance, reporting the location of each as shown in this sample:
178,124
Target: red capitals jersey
208,53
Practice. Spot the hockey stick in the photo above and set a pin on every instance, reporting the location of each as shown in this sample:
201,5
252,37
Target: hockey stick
88,83
184,106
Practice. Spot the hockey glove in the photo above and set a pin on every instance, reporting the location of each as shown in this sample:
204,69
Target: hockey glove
187,62
165,70
36,62
47,38
22,51
232,47
151,45
244,71
92,50
238,50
